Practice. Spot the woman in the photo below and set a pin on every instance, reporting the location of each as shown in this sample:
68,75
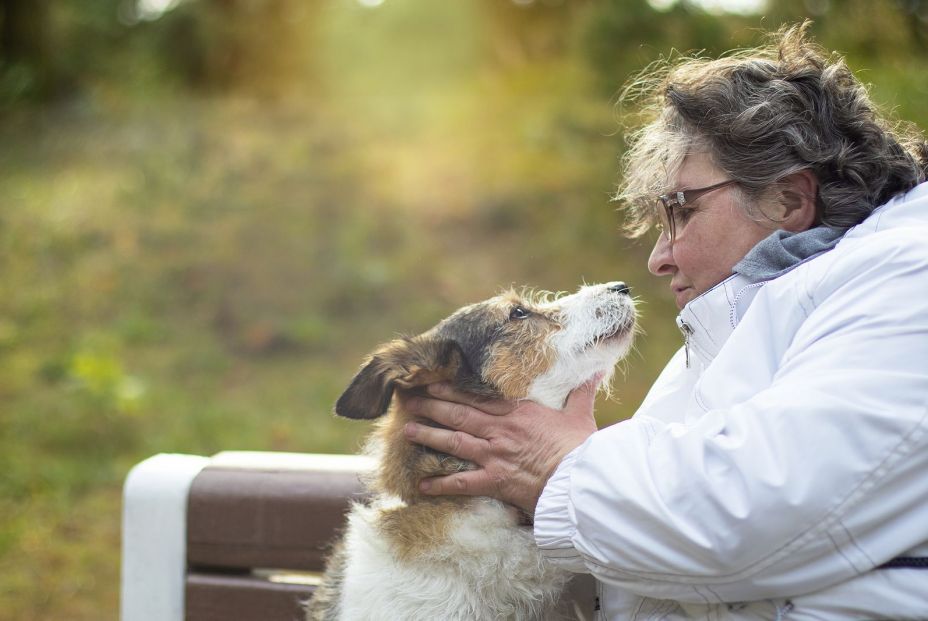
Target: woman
776,469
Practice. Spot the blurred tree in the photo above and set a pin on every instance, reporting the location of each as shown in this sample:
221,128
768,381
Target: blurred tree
51,50
259,46
256,46
619,37
917,11
861,29
523,31
26,65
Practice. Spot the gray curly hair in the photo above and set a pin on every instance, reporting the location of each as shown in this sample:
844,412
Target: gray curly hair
764,114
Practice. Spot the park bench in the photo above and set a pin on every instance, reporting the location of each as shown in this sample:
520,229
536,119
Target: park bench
240,536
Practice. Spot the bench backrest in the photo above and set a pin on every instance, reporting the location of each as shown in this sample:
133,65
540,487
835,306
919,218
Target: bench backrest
237,537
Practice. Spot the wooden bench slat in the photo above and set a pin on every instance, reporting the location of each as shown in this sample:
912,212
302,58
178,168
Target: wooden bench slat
243,518
218,597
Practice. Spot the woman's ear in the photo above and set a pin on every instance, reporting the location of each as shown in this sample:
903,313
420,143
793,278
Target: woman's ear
798,201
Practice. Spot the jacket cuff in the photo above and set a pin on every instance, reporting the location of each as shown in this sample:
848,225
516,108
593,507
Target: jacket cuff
554,517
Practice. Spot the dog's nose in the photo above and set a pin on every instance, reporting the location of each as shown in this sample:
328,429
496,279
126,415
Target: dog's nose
620,287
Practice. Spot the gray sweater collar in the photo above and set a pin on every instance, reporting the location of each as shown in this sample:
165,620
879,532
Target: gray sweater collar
781,251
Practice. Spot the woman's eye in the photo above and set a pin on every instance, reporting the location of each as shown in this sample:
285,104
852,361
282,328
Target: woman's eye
519,313
682,216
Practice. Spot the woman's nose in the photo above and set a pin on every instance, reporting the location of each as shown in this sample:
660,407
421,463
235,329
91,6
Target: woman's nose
661,263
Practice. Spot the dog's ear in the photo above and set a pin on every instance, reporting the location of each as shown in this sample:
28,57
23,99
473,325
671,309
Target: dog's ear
370,392
406,363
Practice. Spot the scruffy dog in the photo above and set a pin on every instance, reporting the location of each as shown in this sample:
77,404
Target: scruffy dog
409,557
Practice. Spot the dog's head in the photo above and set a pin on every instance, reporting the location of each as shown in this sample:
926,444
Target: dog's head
508,347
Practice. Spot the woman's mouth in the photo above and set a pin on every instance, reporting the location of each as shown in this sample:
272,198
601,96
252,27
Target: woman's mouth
682,295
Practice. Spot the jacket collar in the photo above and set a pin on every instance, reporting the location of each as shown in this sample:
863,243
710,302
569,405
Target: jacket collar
708,320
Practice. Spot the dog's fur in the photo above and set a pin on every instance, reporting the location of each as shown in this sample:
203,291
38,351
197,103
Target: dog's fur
414,557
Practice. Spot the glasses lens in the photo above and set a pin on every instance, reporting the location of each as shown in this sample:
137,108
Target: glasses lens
665,222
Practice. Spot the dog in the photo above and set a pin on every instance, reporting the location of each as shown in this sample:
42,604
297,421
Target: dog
406,556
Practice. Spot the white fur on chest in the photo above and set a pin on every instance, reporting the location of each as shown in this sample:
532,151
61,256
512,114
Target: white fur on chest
488,569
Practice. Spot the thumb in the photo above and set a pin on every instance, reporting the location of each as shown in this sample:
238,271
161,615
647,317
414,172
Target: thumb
581,399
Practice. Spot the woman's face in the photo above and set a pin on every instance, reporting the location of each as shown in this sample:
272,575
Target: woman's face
715,234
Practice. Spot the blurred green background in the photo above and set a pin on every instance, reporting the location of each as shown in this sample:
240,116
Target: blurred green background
210,210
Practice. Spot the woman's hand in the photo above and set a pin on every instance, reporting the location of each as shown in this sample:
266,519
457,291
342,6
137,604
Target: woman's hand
516,445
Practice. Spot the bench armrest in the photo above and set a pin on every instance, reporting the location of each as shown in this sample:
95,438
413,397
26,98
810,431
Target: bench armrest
154,526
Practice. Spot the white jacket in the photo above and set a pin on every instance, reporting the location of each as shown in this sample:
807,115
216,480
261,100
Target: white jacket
773,475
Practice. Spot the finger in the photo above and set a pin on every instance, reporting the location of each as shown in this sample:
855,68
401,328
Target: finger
456,416
446,392
468,483
455,443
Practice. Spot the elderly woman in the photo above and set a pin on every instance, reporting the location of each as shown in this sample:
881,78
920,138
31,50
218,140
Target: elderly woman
778,468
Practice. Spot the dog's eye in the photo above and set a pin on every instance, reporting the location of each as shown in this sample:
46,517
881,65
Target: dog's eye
519,313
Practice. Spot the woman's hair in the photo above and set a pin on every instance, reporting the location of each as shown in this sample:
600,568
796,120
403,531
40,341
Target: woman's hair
762,115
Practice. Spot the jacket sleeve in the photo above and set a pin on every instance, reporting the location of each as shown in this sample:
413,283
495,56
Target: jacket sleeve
816,477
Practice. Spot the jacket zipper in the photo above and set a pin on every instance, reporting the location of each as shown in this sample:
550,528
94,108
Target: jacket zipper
687,331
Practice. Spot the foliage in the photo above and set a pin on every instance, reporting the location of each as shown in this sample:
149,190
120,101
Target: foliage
210,215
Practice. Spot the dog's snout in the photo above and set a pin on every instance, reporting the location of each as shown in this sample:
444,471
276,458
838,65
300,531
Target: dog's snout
620,288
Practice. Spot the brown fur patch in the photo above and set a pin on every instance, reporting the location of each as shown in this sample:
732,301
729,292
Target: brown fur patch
514,365
420,527
521,352
405,464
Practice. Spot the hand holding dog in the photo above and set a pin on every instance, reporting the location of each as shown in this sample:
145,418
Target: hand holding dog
517,445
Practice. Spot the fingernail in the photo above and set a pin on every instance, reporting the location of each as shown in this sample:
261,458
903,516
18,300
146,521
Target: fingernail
412,405
425,486
410,429
436,389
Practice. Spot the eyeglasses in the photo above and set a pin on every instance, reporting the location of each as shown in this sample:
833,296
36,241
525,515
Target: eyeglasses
668,219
